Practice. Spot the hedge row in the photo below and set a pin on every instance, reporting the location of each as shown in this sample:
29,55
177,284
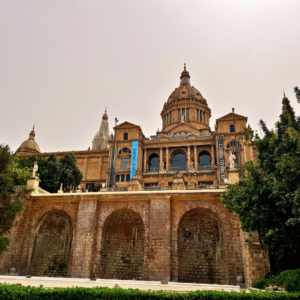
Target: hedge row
32,293
290,279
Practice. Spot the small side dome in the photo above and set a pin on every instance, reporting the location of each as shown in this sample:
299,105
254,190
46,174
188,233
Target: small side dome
30,145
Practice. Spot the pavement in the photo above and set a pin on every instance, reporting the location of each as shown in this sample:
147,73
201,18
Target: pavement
59,282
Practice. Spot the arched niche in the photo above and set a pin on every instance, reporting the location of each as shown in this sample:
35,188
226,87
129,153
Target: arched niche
52,247
122,247
201,254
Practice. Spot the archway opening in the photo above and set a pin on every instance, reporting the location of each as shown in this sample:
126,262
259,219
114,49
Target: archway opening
154,163
122,249
201,257
179,162
204,161
52,248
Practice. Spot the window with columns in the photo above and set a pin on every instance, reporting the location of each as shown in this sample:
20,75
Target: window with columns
154,163
179,162
204,160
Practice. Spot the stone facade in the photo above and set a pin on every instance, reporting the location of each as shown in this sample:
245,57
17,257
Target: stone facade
182,236
166,223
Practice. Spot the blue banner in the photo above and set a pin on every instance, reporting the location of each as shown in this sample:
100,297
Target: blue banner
134,155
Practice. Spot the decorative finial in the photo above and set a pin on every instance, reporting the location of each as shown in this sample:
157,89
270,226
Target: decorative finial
33,126
283,93
105,109
184,67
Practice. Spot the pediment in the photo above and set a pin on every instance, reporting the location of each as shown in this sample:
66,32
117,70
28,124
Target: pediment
229,117
126,125
184,127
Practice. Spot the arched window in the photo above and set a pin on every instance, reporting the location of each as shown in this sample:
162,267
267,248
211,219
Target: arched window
204,161
232,144
125,150
125,136
154,163
231,127
179,162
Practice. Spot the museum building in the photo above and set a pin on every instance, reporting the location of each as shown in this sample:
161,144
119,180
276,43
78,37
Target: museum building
158,216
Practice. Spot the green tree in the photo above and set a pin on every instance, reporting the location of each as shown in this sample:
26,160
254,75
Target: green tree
11,199
52,171
70,174
267,197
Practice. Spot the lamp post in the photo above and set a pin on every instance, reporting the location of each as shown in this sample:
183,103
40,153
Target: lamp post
236,146
113,172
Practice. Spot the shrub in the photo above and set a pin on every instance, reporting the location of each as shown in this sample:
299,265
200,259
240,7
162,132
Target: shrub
8,292
290,279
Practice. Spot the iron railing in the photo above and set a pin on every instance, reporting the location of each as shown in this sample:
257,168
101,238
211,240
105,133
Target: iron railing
204,167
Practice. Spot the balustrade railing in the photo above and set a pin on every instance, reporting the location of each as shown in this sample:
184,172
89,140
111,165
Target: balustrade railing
118,189
201,187
157,188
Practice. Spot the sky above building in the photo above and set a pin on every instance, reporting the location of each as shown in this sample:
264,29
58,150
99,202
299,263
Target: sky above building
63,62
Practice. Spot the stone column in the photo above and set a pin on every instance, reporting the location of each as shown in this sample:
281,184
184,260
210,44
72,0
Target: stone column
145,160
195,157
213,159
85,168
101,157
159,246
189,158
84,238
161,159
167,159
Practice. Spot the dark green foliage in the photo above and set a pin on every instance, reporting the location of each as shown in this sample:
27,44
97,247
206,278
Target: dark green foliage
267,197
297,92
11,200
290,279
52,171
8,292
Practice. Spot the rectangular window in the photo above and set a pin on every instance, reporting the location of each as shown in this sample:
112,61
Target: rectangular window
170,117
197,115
179,115
201,116
127,177
204,117
122,178
187,114
124,163
118,178
124,150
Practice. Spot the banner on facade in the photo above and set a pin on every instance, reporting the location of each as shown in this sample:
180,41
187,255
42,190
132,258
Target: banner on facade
221,158
134,155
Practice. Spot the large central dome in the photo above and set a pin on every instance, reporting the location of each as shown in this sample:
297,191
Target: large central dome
186,106
185,91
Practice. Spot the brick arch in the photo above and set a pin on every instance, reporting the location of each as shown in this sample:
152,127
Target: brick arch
201,255
52,247
231,227
122,246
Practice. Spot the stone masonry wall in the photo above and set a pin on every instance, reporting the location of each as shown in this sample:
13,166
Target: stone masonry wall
122,251
201,255
174,236
106,211
159,247
229,251
52,249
